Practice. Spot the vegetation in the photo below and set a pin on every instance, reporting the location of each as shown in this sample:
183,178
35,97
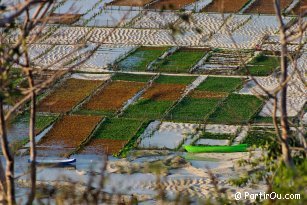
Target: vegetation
217,136
68,95
204,99
179,62
193,110
167,79
132,142
140,59
147,109
220,84
132,77
118,129
259,138
236,109
260,119
262,65
42,120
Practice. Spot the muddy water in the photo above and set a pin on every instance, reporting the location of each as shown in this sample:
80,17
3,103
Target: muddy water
191,177
18,131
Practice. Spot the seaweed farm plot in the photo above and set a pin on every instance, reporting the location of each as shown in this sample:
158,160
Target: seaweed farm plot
112,98
169,135
18,129
105,57
164,92
215,134
236,109
202,101
76,7
262,65
141,58
207,24
266,7
112,136
108,17
259,138
68,95
225,6
198,5
208,138
170,4
136,3
223,61
53,54
272,44
66,135
249,34
179,62
156,20
299,8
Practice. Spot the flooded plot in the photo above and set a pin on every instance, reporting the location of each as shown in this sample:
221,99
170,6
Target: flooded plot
66,133
170,4
249,34
179,62
156,20
212,142
141,58
104,146
266,7
198,5
113,97
225,6
105,57
77,6
18,130
169,135
109,18
68,95
58,55
213,138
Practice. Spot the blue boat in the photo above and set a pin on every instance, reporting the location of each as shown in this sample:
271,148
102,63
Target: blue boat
61,162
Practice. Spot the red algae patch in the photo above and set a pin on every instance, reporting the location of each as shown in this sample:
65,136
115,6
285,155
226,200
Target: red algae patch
114,95
266,7
207,94
69,131
170,4
130,2
68,95
164,92
227,6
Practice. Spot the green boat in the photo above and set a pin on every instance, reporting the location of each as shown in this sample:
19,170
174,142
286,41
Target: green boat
218,149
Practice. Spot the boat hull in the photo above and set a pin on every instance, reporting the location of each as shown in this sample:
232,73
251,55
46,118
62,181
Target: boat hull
55,162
